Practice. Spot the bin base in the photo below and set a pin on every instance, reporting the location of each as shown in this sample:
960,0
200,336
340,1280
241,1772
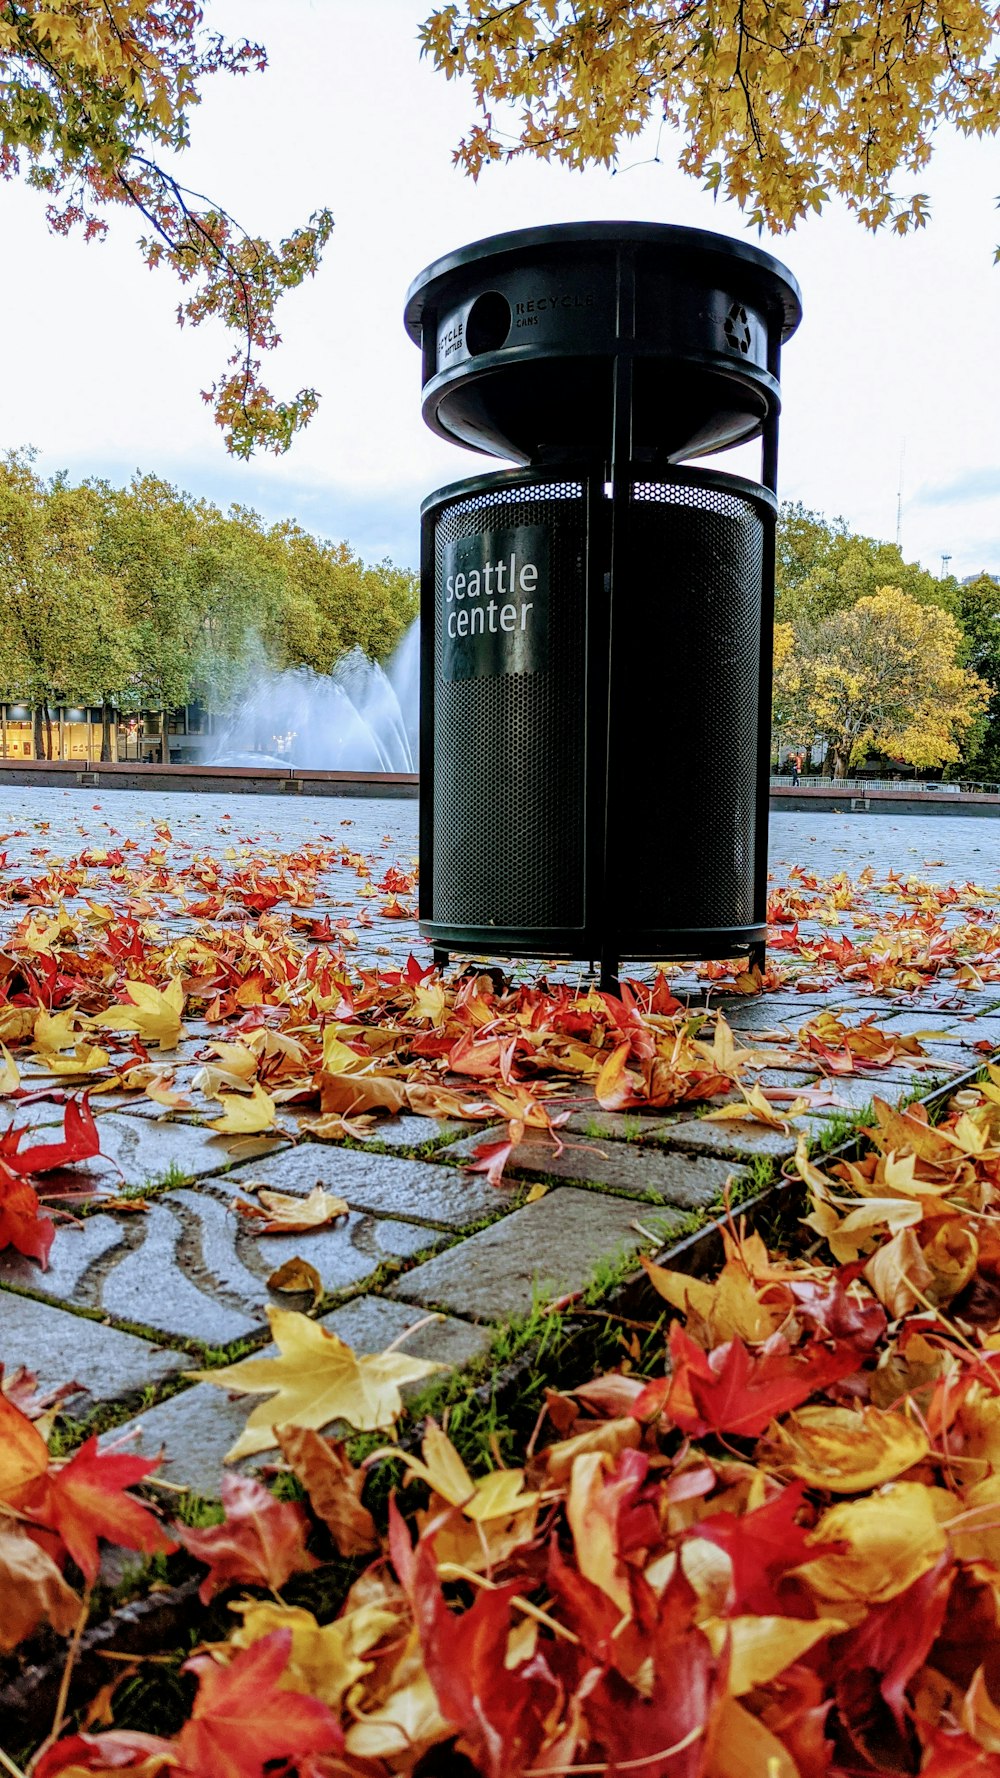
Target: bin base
697,945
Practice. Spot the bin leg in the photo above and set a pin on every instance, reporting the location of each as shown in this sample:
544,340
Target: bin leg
758,956
440,959
610,983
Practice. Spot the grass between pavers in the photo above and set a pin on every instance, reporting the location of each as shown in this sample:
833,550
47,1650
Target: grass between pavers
171,1179
105,1416
747,1181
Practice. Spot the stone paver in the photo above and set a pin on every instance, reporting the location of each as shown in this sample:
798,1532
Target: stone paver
946,1058
412,1132
774,1013
548,1248
77,1258
626,1167
191,1268
198,1427
63,1348
853,1092
942,1027
136,1151
740,1141
378,1183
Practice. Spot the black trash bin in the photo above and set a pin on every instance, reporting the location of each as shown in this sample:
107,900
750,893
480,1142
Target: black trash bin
596,624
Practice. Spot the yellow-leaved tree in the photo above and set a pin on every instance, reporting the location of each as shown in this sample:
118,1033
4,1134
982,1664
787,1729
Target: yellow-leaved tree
884,674
780,106
791,718
95,105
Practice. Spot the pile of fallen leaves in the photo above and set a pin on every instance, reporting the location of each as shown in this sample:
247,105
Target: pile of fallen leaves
774,1555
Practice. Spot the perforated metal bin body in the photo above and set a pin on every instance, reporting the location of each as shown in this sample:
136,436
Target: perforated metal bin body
590,760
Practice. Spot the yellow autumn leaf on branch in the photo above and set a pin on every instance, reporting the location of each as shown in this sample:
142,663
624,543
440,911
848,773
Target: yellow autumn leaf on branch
767,104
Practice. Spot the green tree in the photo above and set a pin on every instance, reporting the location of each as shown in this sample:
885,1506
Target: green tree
204,598
978,612
792,721
349,605
146,598
64,631
96,99
781,107
821,567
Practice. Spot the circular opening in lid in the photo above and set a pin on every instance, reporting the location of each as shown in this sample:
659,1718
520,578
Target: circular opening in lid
488,323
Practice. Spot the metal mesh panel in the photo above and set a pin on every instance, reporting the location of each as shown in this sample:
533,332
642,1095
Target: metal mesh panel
683,787
509,749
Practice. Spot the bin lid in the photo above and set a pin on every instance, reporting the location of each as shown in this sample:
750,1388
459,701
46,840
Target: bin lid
683,248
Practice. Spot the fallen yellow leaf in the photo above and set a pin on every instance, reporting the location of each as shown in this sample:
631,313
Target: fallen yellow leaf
845,1450
890,1539
244,1114
281,1213
10,1074
156,1016
297,1276
757,1109
316,1379
325,1659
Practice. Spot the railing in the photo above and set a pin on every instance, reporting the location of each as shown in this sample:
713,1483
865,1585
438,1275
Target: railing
861,786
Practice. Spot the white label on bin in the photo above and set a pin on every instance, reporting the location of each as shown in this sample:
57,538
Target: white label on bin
494,592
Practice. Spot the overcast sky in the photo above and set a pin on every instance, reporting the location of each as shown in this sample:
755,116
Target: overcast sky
899,350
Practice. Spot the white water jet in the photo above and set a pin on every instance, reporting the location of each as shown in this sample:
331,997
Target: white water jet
359,718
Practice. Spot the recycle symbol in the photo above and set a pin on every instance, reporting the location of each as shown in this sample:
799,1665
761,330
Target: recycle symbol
737,329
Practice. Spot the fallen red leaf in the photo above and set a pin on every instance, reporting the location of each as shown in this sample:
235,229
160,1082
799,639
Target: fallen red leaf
84,1500
80,1142
501,1711
664,1730
241,1721
491,1159
729,1390
764,1546
893,1641
262,1539
115,1752
22,1224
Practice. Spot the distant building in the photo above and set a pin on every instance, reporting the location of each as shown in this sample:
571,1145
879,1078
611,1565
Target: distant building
77,733
984,574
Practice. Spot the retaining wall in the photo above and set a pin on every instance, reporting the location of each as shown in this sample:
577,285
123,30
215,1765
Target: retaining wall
853,799
224,780
841,799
